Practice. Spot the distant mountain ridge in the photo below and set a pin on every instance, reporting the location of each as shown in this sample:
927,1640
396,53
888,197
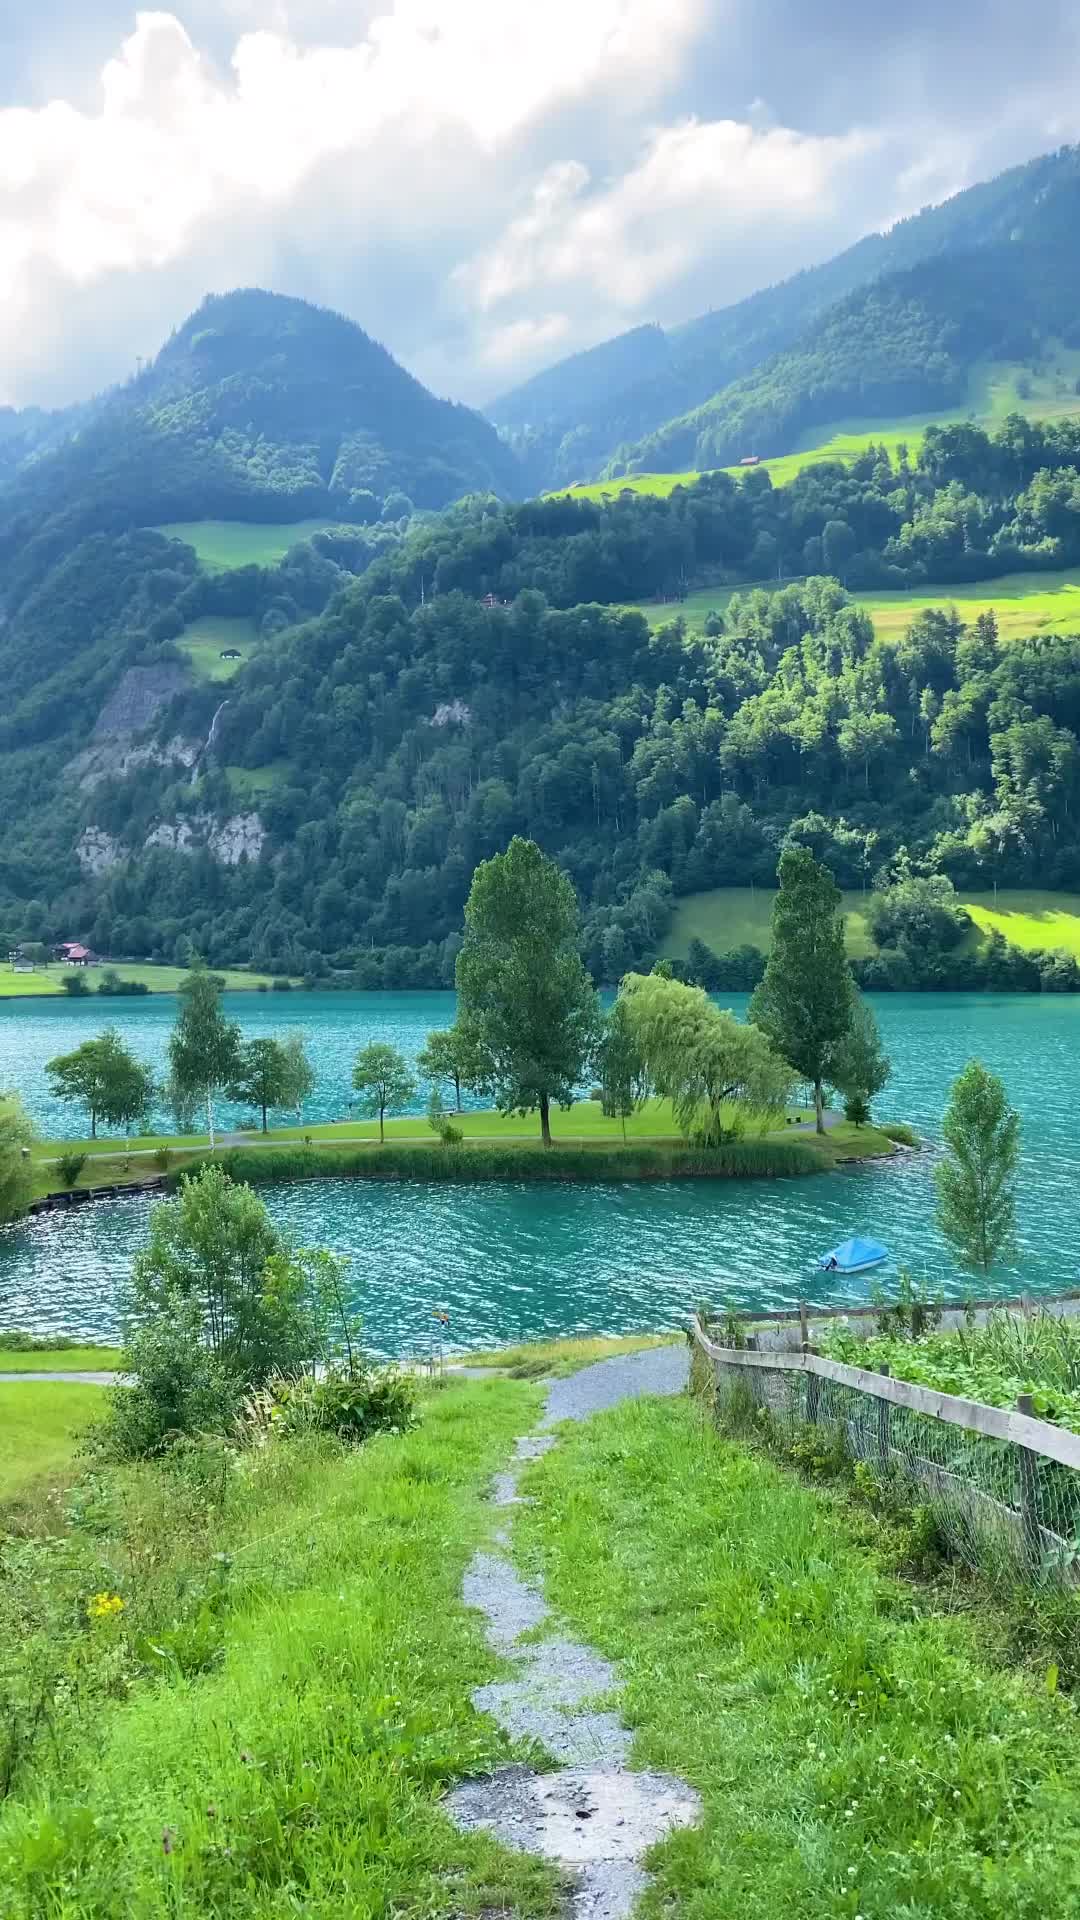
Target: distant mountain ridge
636,394
260,407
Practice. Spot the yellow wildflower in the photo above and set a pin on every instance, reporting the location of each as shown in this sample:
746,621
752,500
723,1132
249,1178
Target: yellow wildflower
104,1606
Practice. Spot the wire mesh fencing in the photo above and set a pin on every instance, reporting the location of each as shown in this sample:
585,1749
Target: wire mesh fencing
1003,1487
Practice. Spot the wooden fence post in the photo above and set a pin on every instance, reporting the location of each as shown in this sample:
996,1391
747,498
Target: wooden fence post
884,1428
813,1392
804,1325
1029,1493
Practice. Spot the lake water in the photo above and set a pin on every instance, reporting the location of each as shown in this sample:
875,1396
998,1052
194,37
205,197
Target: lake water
523,1261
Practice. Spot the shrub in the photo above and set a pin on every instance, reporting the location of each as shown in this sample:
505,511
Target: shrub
351,1405
71,1165
75,984
857,1109
162,1159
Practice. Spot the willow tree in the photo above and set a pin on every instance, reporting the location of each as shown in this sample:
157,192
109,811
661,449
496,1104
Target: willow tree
527,1007
805,1002
701,1059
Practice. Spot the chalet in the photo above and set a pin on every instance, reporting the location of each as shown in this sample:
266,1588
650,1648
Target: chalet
230,653
492,600
73,954
751,460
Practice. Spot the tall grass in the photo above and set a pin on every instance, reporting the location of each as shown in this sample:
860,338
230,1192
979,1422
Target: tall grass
736,1159
855,1751
267,1725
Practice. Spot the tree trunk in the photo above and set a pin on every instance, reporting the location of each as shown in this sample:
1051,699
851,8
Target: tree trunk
819,1106
93,1123
457,1091
210,1117
382,1129
264,1117
545,1120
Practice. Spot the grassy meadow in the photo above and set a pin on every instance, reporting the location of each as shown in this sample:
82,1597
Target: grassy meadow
730,917
205,640
49,980
1024,603
221,544
997,389
865,1743
41,1426
46,1359
268,1721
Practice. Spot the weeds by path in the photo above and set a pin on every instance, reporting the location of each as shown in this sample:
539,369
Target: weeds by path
856,1755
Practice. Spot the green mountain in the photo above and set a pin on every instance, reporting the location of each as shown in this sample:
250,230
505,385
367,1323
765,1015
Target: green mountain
259,408
563,434
325,808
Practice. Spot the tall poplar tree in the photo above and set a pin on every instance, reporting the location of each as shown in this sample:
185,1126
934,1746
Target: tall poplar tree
805,1002
525,1000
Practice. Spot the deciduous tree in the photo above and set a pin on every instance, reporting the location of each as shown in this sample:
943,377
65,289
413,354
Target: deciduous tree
262,1076
104,1076
701,1059
382,1078
804,1003
860,1067
204,1047
976,1182
16,1170
527,1003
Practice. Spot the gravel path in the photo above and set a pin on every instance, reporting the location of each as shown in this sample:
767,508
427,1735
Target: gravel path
87,1379
594,1817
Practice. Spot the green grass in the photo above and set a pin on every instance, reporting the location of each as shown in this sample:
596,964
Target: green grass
41,1423
251,784
731,917
45,1359
1024,603
586,1144
221,544
205,640
269,1725
857,1751
994,393
48,980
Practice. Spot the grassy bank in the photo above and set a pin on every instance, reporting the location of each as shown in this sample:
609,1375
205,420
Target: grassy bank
555,1359
222,544
41,1425
268,1723
857,1751
728,917
46,1359
769,1158
587,1145
49,980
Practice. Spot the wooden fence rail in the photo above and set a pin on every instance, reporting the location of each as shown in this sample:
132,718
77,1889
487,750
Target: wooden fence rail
1022,1428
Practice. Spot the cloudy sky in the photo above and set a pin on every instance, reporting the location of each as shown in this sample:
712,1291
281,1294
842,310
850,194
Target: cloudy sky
483,184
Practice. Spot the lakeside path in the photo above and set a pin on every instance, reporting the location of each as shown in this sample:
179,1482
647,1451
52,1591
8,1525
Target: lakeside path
595,1816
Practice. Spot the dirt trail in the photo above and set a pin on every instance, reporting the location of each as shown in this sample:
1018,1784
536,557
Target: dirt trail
594,1817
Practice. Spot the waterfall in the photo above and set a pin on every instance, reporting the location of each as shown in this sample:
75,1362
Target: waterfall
201,756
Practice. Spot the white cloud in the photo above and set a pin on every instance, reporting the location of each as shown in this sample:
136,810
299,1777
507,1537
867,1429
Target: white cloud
482,183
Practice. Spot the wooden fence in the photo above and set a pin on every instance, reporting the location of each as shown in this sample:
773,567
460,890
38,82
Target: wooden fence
1035,1440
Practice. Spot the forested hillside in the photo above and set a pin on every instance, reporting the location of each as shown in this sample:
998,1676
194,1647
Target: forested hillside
259,408
645,380
330,811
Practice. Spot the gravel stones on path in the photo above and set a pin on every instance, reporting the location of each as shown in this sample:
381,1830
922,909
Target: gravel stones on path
594,1817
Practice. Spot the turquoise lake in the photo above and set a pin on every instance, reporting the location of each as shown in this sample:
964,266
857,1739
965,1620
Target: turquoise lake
523,1261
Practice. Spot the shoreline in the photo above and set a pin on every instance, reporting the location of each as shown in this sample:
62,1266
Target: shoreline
777,1155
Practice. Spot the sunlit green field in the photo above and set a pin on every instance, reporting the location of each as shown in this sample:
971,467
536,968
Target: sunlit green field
1024,603
48,980
731,917
220,544
997,389
41,1424
205,640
